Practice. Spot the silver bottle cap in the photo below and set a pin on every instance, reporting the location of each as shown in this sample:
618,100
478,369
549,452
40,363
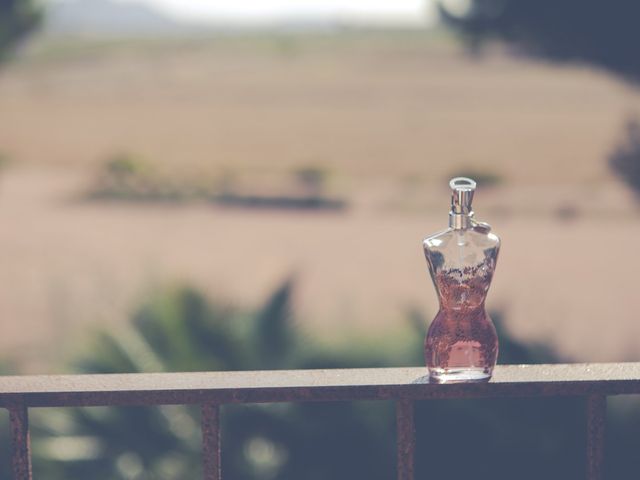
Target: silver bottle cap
462,190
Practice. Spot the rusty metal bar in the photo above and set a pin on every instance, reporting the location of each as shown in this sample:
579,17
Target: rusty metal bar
596,421
406,439
211,442
199,388
20,442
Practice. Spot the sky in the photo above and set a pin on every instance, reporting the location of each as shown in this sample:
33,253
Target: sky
261,11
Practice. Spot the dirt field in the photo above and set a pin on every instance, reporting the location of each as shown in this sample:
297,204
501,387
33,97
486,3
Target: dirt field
389,117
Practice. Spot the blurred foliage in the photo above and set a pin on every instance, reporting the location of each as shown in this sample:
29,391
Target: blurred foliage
604,34
625,159
180,330
123,166
17,19
5,160
312,178
128,177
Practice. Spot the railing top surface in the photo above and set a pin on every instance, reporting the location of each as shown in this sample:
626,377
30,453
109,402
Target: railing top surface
301,385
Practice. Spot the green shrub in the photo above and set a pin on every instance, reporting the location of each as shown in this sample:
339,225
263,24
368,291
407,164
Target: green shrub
625,159
312,178
5,160
181,330
17,19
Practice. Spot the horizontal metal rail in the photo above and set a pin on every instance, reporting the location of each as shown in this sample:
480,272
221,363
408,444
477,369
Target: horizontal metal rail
404,385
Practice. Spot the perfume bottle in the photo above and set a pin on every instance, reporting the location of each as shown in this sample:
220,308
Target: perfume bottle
462,344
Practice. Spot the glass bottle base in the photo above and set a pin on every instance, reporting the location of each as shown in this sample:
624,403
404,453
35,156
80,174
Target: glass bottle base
459,375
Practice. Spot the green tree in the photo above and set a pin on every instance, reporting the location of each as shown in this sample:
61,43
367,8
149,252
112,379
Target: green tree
603,34
181,330
625,159
594,32
17,19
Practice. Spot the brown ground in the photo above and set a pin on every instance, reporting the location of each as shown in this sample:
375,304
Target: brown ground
389,117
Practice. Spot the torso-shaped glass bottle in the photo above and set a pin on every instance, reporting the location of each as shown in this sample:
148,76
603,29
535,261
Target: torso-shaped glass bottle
461,344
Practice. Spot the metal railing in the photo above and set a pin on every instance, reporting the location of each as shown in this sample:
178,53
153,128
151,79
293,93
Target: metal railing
404,385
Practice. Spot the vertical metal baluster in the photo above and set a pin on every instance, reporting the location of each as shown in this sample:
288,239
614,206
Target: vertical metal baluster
406,439
596,420
211,442
20,442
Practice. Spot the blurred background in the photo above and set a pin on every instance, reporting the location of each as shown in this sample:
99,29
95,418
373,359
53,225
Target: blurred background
245,184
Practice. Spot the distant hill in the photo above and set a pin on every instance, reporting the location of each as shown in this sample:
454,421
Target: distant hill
108,17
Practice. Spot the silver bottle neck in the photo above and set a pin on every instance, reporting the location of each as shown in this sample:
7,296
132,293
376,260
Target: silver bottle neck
461,214
460,221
